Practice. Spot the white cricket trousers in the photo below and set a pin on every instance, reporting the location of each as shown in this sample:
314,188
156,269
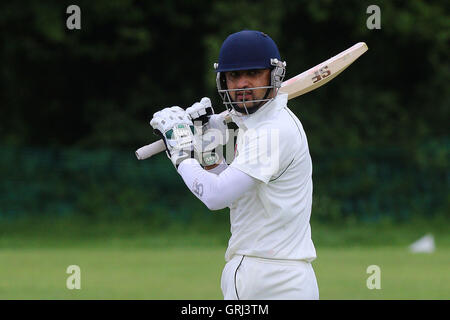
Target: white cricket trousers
253,278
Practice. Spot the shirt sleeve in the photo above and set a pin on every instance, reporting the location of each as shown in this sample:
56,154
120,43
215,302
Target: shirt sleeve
215,191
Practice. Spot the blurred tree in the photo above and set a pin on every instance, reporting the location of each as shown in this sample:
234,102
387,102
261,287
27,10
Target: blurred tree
100,85
394,94
378,134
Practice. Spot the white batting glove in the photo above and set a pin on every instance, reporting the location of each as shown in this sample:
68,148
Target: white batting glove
211,132
176,128
217,122
200,111
203,111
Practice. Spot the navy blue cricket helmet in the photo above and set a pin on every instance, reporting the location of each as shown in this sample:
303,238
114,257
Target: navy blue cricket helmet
248,50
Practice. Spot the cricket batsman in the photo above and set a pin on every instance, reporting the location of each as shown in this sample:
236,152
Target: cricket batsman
268,185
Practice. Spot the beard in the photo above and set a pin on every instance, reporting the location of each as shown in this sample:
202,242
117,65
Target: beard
247,106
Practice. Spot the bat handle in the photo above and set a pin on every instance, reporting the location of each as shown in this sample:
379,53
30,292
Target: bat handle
149,150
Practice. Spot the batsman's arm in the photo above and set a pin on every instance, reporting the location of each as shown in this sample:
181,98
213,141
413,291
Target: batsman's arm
215,191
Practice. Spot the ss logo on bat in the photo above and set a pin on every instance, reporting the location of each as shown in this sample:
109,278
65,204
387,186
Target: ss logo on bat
320,74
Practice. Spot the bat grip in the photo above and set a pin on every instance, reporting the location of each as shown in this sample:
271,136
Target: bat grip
149,150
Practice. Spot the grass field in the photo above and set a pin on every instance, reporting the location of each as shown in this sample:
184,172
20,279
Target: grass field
129,262
194,273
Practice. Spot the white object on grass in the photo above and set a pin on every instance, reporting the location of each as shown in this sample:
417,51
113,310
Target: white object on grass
423,245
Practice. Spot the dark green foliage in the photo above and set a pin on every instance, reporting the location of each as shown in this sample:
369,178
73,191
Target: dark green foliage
99,86
107,184
378,133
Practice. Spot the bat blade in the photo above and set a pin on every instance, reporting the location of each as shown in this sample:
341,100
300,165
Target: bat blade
324,72
296,86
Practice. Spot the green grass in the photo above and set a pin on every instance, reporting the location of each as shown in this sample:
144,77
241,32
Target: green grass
107,273
135,260
341,273
194,273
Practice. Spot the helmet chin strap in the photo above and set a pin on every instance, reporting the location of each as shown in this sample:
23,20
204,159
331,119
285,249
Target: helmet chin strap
253,109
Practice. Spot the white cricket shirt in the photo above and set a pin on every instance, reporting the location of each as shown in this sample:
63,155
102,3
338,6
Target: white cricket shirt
272,220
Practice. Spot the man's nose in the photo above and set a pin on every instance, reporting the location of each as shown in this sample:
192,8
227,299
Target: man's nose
243,82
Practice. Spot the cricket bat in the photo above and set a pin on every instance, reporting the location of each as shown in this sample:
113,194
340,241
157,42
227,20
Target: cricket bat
296,86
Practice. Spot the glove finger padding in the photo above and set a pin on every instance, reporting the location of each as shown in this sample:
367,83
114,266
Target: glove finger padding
176,128
200,111
167,118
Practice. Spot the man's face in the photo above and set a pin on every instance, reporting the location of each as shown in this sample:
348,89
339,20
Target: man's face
248,79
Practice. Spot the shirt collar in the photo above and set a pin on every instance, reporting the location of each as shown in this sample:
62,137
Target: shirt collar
264,113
